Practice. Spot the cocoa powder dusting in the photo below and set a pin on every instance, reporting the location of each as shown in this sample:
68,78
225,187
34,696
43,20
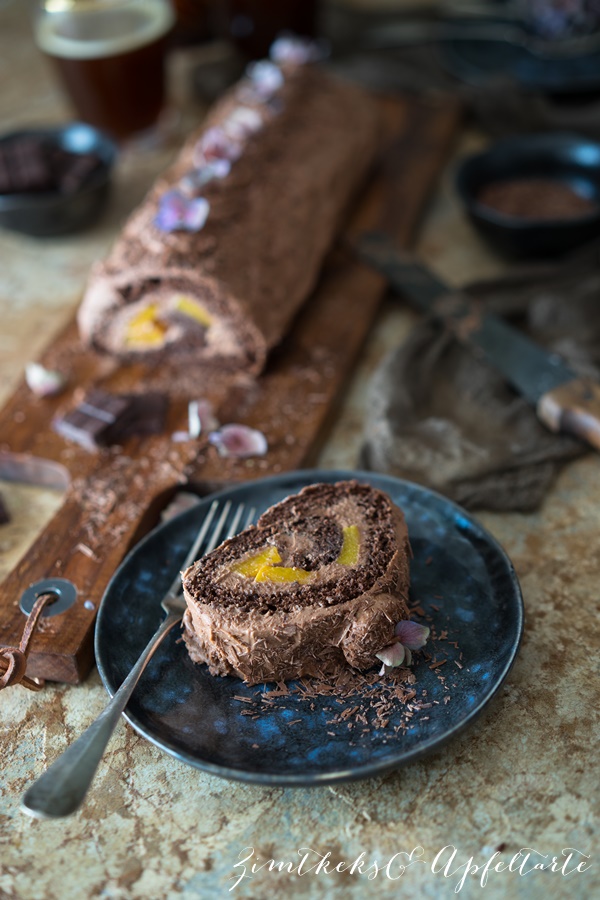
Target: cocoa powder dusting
542,199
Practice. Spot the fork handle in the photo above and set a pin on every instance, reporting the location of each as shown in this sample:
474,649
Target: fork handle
60,791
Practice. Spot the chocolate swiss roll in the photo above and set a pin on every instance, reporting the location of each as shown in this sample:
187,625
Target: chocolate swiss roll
228,244
319,583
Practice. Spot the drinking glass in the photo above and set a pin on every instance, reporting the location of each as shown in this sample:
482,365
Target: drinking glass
110,57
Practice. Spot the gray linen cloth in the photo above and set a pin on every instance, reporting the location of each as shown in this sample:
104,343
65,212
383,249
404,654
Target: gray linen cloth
439,416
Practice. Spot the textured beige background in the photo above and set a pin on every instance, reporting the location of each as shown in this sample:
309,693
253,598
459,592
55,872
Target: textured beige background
524,776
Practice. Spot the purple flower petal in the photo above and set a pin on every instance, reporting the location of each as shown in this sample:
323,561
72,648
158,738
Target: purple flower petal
216,144
242,123
193,181
170,211
411,634
239,441
296,51
196,214
201,417
43,382
179,213
266,78
392,655
220,168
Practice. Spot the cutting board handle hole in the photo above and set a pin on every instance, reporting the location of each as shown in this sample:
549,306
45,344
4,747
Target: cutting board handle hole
63,591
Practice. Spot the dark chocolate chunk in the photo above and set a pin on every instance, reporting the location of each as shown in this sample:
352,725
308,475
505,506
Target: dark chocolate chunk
24,166
103,419
147,414
75,169
30,164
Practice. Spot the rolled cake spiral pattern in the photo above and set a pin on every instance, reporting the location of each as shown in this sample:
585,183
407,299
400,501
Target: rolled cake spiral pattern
319,583
228,244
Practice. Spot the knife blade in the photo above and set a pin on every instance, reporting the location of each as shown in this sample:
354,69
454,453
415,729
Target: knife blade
563,400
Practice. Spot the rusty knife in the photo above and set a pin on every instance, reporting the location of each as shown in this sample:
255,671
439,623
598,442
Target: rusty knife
564,401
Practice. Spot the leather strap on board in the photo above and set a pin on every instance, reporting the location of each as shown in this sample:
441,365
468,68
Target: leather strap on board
13,660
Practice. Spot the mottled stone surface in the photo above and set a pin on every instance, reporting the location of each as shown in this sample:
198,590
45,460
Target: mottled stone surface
152,828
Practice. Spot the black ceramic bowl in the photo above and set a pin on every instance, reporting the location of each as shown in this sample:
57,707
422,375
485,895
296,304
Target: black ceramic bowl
567,158
50,213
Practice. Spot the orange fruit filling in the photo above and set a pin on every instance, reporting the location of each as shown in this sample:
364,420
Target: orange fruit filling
351,546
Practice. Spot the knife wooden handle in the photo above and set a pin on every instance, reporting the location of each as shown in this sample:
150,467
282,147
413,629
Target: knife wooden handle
573,407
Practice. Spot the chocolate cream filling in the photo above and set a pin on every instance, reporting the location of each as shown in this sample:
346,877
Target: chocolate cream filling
335,614
152,316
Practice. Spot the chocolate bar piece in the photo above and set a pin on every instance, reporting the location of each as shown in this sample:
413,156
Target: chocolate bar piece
29,164
147,414
24,166
103,419
75,169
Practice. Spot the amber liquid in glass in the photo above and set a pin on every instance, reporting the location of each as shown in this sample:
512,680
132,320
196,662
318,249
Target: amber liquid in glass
112,63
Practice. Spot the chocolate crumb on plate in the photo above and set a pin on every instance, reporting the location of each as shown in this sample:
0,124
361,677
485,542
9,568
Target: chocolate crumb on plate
384,721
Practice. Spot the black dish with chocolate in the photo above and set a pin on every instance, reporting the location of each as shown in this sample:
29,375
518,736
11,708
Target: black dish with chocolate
31,163
534,195
54,180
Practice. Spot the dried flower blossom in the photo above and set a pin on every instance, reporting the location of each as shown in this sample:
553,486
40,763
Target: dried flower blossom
176,212
239,441
411,636
296,51
193,181
43,382
242,123
201,417
266,78
181,502
215,144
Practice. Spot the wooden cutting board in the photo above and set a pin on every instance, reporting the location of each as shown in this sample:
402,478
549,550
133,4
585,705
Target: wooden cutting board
113,497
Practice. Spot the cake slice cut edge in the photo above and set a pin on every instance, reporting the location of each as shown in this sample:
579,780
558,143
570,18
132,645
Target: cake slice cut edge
316,586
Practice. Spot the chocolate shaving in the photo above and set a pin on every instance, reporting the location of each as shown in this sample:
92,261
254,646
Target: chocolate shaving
374,699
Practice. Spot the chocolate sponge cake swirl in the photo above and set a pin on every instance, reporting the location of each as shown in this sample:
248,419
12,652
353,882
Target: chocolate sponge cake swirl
318,584
261,191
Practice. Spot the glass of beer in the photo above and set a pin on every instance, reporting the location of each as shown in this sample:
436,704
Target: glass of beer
110,56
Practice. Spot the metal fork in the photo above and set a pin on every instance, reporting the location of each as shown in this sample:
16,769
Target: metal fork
60,791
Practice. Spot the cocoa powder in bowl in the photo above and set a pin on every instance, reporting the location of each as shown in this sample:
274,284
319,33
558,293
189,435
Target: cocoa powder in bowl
536,199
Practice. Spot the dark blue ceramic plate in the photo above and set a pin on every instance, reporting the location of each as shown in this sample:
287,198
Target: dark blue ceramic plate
460,577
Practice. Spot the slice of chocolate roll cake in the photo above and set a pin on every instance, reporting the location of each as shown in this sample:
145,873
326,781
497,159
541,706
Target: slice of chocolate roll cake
318,584
230,241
